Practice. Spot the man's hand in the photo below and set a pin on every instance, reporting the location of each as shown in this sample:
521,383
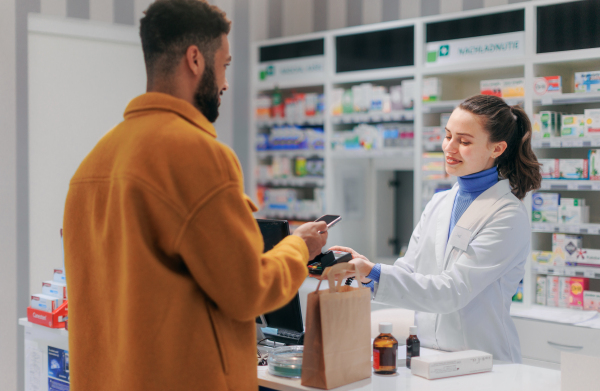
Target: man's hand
314,240
362,264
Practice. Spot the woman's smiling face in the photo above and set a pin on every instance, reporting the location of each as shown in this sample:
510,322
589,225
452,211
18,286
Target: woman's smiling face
467,148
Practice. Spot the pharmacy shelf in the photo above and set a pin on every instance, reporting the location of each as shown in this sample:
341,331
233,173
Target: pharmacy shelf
561,142
270,122
432,146
446,106
566,184
293,182
586,229
357,118
479,67
571,271
567,99
290,84
290,153
373,153
287,215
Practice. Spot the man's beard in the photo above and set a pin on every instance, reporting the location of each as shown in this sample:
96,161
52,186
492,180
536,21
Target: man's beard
206,97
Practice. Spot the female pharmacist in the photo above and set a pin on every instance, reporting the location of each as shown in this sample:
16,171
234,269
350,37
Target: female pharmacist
467,254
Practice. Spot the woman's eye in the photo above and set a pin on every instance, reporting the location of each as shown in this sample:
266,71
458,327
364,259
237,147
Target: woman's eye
448,137
465,143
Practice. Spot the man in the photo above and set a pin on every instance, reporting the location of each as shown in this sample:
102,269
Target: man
163,257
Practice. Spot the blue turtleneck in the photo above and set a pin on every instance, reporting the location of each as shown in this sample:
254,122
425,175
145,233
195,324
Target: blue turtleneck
469,188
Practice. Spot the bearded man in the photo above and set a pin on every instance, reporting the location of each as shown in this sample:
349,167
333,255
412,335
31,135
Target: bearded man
164,261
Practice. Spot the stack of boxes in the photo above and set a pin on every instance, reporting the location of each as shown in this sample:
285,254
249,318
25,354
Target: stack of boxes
503,88
367,98
53,293
551,208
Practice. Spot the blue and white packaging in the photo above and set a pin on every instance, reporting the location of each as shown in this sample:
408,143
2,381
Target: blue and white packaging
545,207
45,303
56,289
59,275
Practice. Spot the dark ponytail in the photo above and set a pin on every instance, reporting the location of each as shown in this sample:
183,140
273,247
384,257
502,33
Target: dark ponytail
507,123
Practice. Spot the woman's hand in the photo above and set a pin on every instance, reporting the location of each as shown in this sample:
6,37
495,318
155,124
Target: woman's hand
360,262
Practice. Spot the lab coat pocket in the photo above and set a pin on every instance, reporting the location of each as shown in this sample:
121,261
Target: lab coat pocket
218,329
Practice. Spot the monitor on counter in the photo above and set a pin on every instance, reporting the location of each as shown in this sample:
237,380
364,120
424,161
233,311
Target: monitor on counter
289,317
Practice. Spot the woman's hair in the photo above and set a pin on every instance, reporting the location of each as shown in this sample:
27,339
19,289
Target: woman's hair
507,123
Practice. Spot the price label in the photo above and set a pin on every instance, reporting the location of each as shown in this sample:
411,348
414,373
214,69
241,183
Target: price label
376,118
589,273
555,143
569,272
568,143
547,100
543,269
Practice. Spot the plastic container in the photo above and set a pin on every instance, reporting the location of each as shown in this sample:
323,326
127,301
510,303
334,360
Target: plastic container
286,361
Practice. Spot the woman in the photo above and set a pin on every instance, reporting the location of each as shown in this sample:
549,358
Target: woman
467,254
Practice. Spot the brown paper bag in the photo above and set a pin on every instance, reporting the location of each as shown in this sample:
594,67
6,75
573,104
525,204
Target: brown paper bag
337,340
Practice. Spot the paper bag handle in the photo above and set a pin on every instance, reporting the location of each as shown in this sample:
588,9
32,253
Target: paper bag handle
335,275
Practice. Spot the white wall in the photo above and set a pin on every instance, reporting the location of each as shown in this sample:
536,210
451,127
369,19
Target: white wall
8,199
82,74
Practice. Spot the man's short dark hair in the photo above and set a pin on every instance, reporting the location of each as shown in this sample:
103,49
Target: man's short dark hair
170,27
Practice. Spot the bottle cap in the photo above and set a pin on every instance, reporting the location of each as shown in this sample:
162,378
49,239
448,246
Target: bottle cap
413,330
385,328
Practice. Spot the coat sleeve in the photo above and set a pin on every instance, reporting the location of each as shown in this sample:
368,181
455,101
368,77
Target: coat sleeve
500,246
221,244
408,261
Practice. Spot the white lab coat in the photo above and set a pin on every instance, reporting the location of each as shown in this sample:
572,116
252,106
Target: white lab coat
462,288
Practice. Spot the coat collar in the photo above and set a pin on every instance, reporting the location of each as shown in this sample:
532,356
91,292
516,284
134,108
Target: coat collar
151,101
482,205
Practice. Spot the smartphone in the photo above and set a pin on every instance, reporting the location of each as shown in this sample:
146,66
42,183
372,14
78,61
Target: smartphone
331,220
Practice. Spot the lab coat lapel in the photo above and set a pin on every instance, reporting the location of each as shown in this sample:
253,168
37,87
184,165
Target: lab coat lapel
479,208
443,225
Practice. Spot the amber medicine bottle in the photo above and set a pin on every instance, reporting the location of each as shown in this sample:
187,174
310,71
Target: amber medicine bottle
413,345
385,349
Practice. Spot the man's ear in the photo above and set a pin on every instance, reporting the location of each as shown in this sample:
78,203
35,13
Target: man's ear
194,60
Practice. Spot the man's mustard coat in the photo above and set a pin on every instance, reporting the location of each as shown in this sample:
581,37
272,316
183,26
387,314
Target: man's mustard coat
164,262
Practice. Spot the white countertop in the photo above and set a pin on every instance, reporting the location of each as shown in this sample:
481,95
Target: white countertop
503,377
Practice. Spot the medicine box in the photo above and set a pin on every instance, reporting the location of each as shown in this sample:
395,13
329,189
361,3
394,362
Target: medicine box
573,168
592,122
572,125
408,94
396,98
56,289
547,85
552,290
543,257
45,303
545,207
549,168
591,301
536,127
564,292
574,214
59,276
577,286
550,124
336,101
432,89
594,164
451,364
545,201
540,290
565,246
513,88
491,87
587,81
586,257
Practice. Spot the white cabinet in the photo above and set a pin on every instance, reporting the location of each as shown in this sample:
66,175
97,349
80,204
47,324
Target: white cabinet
544,341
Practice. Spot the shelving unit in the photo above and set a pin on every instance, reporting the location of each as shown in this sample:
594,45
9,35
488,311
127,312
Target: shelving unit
369,176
